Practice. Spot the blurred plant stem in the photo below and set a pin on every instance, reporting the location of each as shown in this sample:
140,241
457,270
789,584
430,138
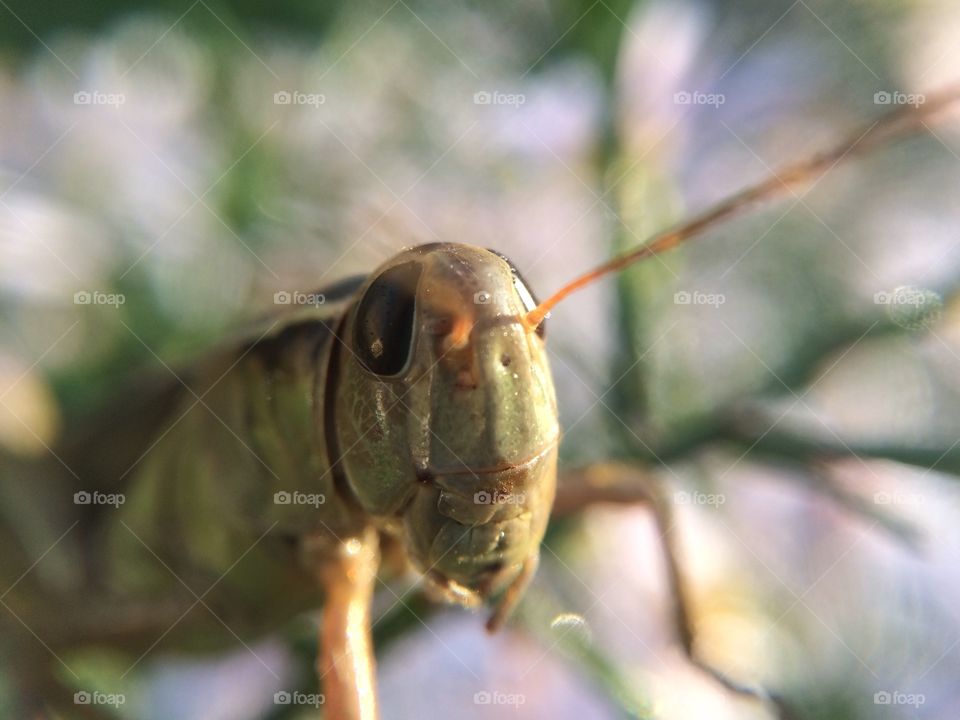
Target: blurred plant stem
641,199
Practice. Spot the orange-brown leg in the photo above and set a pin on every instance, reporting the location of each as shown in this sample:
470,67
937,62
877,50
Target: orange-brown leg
513,594
346,665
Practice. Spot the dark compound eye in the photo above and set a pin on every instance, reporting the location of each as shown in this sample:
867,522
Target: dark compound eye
383,330
527,297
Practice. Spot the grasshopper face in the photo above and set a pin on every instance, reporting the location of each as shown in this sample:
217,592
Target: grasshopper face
447,415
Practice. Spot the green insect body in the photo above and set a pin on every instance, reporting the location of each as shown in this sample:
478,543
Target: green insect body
419,405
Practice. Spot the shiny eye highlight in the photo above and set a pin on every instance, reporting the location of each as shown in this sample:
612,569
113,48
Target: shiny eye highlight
383,329
527,297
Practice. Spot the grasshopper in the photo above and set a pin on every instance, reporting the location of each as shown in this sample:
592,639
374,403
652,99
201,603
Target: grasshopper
411,414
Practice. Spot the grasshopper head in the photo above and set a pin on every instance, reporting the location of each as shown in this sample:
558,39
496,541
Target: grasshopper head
446,414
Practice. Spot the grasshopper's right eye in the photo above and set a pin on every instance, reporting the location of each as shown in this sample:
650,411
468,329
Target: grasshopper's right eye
383,329
527,297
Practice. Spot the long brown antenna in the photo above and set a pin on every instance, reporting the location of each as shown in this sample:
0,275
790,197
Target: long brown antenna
902,121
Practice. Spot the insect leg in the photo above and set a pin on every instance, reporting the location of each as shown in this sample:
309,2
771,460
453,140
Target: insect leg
621,484
513,593
346,663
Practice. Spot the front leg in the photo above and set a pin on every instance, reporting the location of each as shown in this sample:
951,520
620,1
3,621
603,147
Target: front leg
346,664
513,593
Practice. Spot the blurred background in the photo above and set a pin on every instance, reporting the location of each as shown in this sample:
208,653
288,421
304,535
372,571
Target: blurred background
166,167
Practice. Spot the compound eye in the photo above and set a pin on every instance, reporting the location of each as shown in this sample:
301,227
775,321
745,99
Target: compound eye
527,297
383,330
